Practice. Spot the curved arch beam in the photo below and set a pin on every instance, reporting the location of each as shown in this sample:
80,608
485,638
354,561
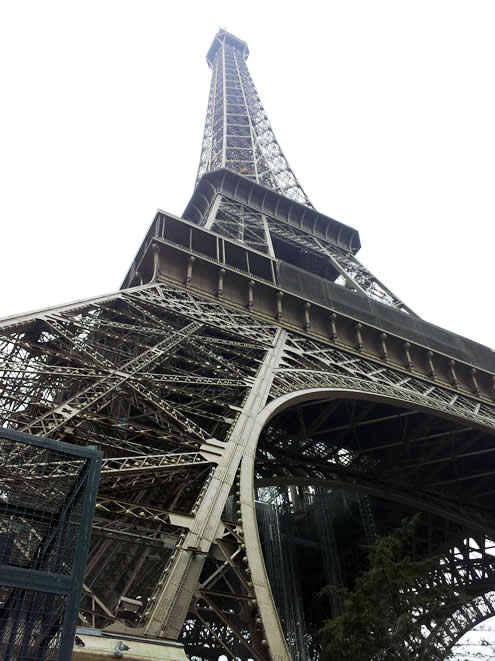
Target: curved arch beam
462,621
350,387
356,389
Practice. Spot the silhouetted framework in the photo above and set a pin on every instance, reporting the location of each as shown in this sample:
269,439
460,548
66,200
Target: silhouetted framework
265,406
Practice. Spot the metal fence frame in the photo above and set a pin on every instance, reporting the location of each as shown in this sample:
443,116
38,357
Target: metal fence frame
48,582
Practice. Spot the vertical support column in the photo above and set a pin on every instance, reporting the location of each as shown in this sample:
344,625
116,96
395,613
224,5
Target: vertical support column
166,617
224,101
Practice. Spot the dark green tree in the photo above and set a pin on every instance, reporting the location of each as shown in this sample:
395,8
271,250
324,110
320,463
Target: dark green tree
392,604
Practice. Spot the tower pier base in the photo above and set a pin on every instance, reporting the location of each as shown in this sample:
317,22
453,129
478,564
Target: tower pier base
101,645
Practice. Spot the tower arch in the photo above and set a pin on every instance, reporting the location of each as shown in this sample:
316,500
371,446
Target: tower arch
344,477
462,621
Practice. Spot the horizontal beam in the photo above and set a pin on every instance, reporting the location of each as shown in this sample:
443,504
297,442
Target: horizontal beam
32,579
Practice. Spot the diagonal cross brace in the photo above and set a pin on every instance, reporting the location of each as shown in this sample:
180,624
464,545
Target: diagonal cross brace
51,421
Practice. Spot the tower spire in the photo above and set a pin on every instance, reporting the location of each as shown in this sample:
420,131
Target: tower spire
238,135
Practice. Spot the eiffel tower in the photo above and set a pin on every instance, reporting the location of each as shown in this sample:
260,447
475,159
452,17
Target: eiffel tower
265,406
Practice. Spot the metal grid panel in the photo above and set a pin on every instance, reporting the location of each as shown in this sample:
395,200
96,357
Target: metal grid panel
30,629
47,499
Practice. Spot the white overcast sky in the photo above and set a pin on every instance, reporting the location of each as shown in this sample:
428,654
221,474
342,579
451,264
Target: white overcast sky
385,110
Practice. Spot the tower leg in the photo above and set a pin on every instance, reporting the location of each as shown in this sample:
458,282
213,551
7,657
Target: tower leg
177,587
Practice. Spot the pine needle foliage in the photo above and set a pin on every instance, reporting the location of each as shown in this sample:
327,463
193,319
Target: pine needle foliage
386,614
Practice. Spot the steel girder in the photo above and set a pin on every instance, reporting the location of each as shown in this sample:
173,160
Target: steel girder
120,374
177,390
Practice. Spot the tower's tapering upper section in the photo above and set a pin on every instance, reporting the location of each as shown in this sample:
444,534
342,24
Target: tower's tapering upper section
238,135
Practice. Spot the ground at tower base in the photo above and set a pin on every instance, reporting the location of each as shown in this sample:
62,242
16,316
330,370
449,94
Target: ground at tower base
266,407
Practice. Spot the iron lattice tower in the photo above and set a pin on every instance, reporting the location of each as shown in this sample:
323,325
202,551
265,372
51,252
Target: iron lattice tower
238,135
249,356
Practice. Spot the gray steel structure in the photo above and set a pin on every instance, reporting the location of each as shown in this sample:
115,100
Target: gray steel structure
249,348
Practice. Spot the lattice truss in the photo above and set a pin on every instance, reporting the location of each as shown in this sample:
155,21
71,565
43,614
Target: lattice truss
467,569
160,379
464,571
461,573
418,445
324,255
223,611
149,376
406,455
239,222
238,135
155,376
261,232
